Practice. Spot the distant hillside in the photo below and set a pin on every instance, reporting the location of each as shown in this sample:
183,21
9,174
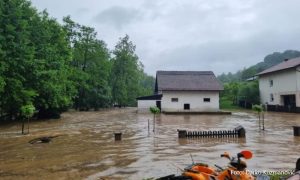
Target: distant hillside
269,60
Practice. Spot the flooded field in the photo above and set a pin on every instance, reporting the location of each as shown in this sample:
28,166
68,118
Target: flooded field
85,147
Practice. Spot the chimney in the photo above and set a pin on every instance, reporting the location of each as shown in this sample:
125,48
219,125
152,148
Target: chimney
286,59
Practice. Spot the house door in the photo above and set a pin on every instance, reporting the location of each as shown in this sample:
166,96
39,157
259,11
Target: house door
158,104
186,106
289,100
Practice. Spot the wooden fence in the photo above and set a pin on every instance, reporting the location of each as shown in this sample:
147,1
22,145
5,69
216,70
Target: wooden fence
239,132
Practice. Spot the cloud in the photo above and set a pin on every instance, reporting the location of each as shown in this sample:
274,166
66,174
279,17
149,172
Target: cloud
82,11
224,56
118,16
222,36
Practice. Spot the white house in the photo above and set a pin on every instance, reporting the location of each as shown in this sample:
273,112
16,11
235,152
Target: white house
279,86
184,91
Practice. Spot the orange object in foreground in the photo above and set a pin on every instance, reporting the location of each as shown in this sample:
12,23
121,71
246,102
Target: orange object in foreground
194,175
246,154
205,170
236,169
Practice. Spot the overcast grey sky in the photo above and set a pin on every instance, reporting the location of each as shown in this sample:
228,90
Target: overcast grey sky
217,35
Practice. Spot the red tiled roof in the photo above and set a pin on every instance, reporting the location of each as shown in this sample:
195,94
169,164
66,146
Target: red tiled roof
291,63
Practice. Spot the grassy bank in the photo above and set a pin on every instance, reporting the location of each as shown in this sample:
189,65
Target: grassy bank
226,104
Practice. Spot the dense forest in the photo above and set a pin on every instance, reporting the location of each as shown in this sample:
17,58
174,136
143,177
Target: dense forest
239,91
53,67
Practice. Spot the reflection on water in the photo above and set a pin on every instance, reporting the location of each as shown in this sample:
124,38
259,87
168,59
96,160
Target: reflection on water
210,140
85,147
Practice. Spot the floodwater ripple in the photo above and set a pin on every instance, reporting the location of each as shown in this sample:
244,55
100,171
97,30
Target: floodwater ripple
85,146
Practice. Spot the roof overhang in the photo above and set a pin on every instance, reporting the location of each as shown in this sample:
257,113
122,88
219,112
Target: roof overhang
191,90
272,72
152,97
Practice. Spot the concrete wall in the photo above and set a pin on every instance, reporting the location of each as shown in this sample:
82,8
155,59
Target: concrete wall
194,98
284,83
144,105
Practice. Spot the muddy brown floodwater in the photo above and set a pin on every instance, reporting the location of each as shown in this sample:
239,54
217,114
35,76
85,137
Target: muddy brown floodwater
85,147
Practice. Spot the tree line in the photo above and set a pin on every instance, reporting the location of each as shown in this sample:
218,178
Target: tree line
53,67
242,94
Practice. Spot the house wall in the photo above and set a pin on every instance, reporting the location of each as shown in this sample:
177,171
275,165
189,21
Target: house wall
298,87
284,83
194,98
144,105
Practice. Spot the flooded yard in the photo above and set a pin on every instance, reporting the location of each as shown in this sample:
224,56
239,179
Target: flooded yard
85,146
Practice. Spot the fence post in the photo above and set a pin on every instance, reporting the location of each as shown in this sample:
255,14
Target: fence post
118,136
296,130
241,131
182,133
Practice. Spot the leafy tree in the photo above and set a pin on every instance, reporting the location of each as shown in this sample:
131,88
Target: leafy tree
2,82
240,91
125,73
34,59
99,93
249,92
16,54
231,92
146,84
154,110
260,112
27,111
91,66
248,73
51,74
52,66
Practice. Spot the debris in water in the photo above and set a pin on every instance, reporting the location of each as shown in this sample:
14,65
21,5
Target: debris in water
45,139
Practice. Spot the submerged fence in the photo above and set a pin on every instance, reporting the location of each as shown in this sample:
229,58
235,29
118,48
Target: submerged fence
239,132
278,108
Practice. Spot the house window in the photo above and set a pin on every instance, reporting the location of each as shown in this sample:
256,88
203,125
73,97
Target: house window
271,97
174,99
206,99
186,106
271,83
